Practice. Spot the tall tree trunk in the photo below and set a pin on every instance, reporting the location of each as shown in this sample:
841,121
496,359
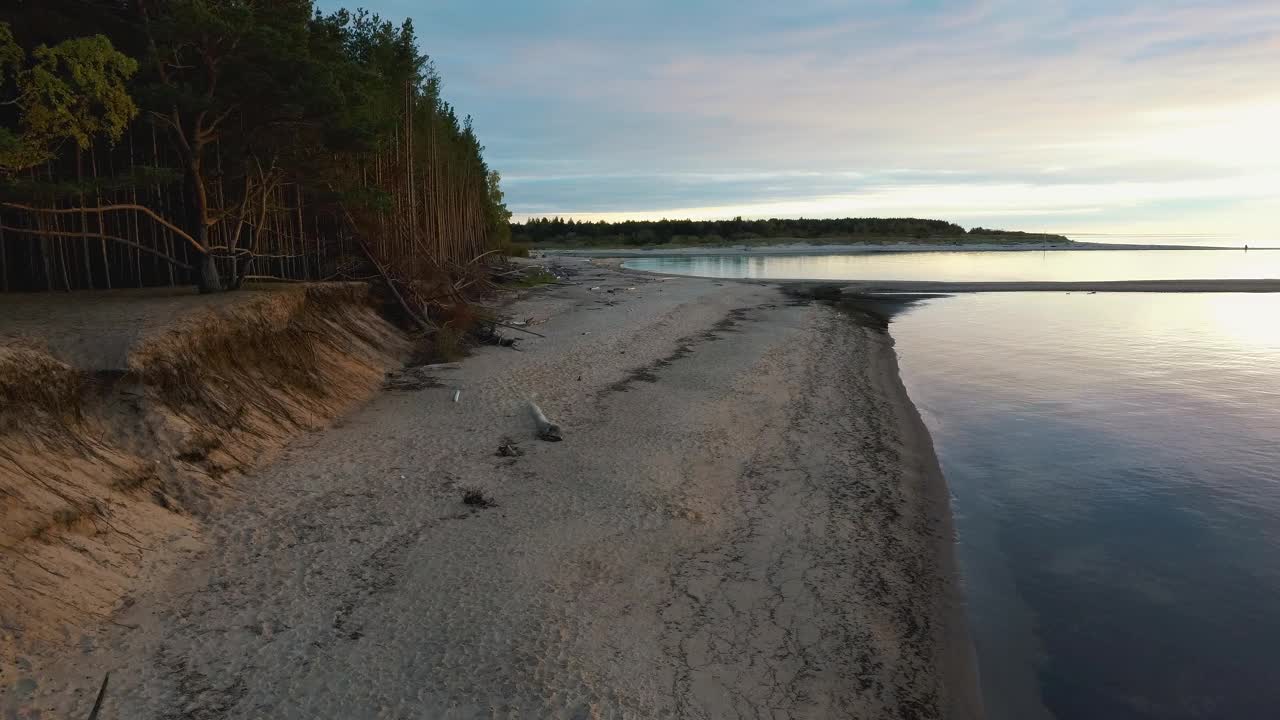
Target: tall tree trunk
207,279
45,250
84,218
4,265
160,199
97,199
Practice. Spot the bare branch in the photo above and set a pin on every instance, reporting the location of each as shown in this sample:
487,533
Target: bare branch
151,43
210,133
482,255
197,127
273,278
102,694
514,327
161,117
110,208
174,121
103,236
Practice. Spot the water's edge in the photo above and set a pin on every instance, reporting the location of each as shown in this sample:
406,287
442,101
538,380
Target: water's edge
1089,538
957,655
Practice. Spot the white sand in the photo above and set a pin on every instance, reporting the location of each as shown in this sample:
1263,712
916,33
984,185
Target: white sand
745,519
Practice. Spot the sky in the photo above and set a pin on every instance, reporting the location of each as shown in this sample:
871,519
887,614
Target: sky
1101,116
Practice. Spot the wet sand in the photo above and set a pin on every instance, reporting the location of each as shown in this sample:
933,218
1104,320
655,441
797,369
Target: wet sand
745,519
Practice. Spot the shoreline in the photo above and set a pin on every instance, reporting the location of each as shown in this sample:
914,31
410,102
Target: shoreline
906,290
746,512
956,643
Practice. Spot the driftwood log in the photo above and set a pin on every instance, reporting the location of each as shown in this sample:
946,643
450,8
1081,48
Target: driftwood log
102,694
547,430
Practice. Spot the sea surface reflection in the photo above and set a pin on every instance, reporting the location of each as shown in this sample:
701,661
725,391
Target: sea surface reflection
1114,462
1048,265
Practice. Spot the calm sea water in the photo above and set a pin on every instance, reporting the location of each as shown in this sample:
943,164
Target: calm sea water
1114,463
982,266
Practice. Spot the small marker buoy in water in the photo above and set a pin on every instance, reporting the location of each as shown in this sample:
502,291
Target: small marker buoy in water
456,395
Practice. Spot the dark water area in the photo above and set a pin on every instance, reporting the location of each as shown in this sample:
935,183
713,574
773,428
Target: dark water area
1114,462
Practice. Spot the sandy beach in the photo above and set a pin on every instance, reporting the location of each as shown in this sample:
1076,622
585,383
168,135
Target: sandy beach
745,519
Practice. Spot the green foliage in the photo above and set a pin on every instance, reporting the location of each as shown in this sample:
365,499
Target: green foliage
73,91
361,65
496,212
237,73
44,191
76,89
11,55
738,230
1014,236
510,249
11,150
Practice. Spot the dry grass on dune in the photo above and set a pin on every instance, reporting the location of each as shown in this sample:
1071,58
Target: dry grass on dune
100,468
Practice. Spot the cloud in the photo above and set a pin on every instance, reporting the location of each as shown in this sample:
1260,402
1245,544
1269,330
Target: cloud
672,106
971,200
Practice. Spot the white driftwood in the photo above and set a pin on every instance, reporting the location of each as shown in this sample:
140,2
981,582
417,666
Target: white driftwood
547,430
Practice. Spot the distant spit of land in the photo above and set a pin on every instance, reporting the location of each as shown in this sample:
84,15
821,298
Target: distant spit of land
558,233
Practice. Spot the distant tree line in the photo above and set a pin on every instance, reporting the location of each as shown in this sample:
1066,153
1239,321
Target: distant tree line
560,231
153,142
